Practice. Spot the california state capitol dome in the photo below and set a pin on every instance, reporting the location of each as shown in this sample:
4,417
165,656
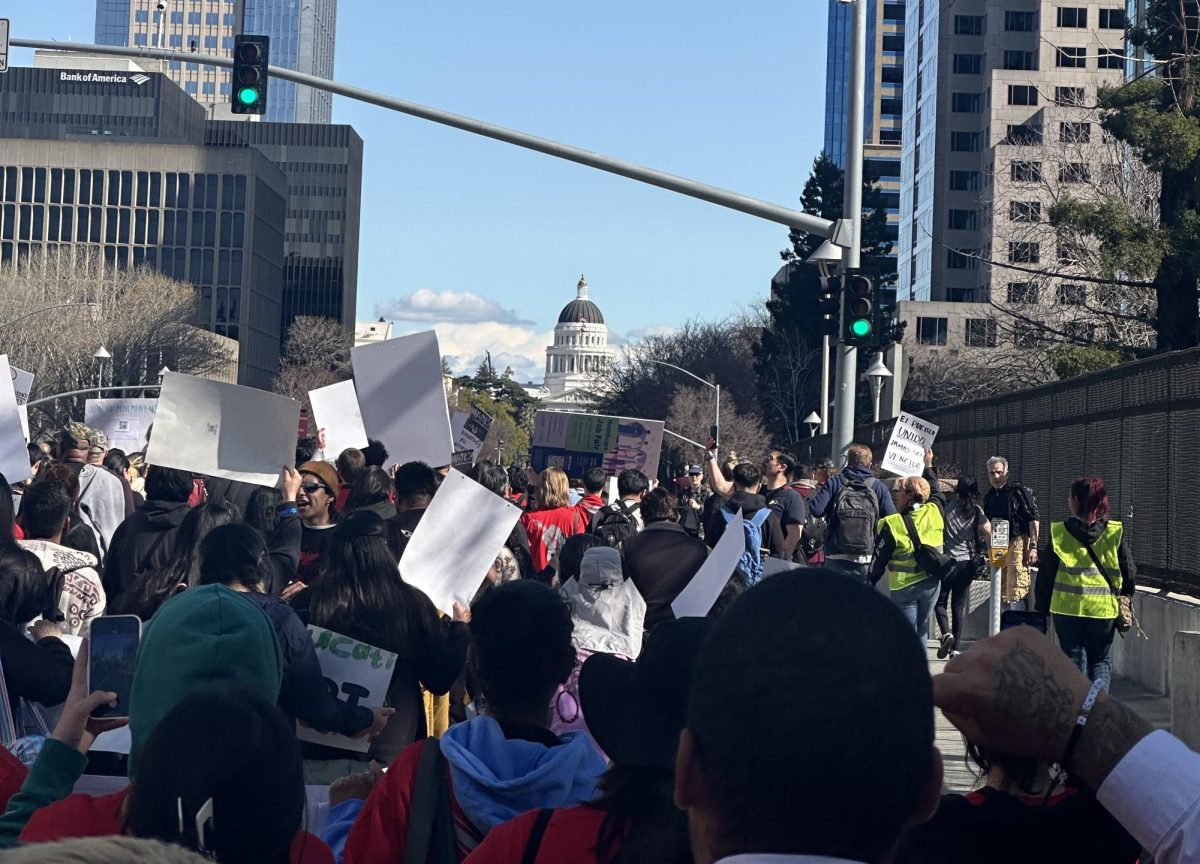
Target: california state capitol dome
580,352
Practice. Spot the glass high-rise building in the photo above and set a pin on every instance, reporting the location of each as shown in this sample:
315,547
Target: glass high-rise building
302,38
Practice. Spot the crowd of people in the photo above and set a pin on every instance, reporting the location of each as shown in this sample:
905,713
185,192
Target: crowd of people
565,714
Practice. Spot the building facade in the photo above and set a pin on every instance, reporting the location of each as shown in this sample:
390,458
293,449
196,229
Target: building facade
580,353
302,38
999,122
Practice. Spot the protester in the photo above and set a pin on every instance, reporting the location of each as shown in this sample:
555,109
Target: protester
1087,580
662,559
119,466
690,503
315,505
760,523
1015,503
503,762
852,503
617,522
22,575
416,484
350,464
361,595
44,516
967,536
812,541
787,503
79,535
848,759
146,540
152,588
637,711
552,520
375,453
102,501
594,482
570,558
514,560
273,513
371,491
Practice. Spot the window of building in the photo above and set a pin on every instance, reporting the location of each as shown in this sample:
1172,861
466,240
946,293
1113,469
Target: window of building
965,103
1110,58
1112,19
1074,133
1025,211
193,17
230,19
1070,58
1071,295
1024,171
1023,134
981,333
964,181
1025,60
962,220
226,89
1069,253
209,88
1026,335
211,18
141,16
969,25
1072,16
965,142
1022,94
176,17
1021,252
189,87
210,41
1072,96
227,42
932,331
1020,22
968,64
139,39
1081,332
962,259
1074,172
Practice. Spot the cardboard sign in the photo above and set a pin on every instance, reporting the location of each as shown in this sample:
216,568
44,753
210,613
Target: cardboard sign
22,386
335,409
126,422
699,595
223,430
457,540
14,458
403,399
577,442
355,673
911,437
474,431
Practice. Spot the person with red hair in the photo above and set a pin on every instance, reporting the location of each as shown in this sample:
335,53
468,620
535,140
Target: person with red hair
1086,580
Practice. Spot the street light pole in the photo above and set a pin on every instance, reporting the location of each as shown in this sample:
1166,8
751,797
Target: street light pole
877,374
20,318
716,387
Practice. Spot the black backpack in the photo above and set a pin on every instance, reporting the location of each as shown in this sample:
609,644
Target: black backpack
853,517
614,523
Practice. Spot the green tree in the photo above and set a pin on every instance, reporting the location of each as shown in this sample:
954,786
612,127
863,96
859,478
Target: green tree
506,401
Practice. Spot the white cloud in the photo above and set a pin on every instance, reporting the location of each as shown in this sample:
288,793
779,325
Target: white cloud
643,333
465,345
428,305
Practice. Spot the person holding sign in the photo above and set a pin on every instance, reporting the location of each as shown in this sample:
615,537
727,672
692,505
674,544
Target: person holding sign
1015,503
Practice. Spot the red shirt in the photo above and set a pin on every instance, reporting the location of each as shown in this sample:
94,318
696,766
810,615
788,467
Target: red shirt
548,529
571,837
587,507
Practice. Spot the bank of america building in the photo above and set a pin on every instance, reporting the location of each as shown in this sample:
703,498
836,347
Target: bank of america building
124,162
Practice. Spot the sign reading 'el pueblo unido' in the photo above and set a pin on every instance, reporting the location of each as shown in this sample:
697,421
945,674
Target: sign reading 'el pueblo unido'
905,454
354,672
577,442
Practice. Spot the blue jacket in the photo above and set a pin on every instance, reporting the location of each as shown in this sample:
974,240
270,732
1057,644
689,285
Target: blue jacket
820,504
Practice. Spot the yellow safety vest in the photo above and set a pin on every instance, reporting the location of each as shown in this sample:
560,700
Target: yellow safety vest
1080,589
902,569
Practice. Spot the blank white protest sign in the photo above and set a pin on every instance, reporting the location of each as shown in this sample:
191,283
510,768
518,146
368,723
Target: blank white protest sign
699,595
14,457
335,409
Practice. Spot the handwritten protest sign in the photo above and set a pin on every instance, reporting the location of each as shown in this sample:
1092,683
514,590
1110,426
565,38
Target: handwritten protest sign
126,422
403,398
355,673
577,442
223,430
22,387
335,409
911,437
14,458
699,595
474,430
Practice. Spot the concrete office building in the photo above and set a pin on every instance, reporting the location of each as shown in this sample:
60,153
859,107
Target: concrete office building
995,129
302,38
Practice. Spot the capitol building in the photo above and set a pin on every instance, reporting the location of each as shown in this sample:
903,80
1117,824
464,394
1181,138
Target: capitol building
579,354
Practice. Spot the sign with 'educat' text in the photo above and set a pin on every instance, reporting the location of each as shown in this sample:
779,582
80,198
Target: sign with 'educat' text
911,437
355,673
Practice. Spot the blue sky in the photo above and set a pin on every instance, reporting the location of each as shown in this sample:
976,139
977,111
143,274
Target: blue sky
484,241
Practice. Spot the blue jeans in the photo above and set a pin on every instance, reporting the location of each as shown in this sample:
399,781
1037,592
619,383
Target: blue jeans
848,568
915,601
1088,642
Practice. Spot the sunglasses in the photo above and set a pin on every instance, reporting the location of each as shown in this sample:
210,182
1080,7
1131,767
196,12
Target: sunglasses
310,488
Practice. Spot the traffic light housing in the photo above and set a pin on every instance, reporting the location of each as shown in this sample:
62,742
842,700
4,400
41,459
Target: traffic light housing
885,313
828,305
858,311
250,58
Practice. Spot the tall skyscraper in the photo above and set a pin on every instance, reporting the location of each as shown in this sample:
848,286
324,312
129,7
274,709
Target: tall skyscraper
302,38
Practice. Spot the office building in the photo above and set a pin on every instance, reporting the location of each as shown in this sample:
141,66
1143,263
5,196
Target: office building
302,38
997,126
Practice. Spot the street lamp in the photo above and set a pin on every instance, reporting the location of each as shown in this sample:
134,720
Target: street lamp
101,357
877,373
812,421
716,387
162,373
39,311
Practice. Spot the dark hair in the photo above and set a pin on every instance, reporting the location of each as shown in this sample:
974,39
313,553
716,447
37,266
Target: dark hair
659,506
57,472
306,448
521,646
375,453
36,454
803,471
491,476
747,475
262,510
1092,499
116,461
372,487
786,459
641,821
152,588
168,484
350,464
517,480
361,593
595,479
631,482
415,480
1019,772
233,553
570,556
967,488
45,507
839,695
8,517
238,750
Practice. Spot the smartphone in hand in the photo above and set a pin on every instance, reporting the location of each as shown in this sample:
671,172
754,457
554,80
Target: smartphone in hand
112,655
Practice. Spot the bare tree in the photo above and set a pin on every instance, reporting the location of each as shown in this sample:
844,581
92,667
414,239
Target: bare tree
690,415
316,354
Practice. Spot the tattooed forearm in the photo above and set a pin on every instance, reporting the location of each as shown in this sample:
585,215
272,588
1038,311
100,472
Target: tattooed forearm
1112,730
1026,688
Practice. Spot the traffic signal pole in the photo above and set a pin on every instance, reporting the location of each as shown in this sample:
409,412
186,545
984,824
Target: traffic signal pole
847,355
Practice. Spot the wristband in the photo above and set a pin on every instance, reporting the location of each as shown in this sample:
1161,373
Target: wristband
1085,711
288,509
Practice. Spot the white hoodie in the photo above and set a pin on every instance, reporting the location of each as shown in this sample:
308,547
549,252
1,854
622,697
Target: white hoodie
83,593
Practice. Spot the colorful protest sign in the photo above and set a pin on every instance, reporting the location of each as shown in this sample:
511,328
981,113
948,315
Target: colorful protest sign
355,673
577,442
403,398
911,437
223,430
126,422
699,595
335,409
14,458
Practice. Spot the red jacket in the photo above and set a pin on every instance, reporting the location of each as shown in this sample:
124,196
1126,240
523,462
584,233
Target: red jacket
548,529
571,837
380,831
587,507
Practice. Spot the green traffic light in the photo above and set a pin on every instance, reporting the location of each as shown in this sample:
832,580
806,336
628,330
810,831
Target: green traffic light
248,96
860,327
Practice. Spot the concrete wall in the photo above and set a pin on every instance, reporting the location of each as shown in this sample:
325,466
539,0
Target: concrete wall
1185,688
